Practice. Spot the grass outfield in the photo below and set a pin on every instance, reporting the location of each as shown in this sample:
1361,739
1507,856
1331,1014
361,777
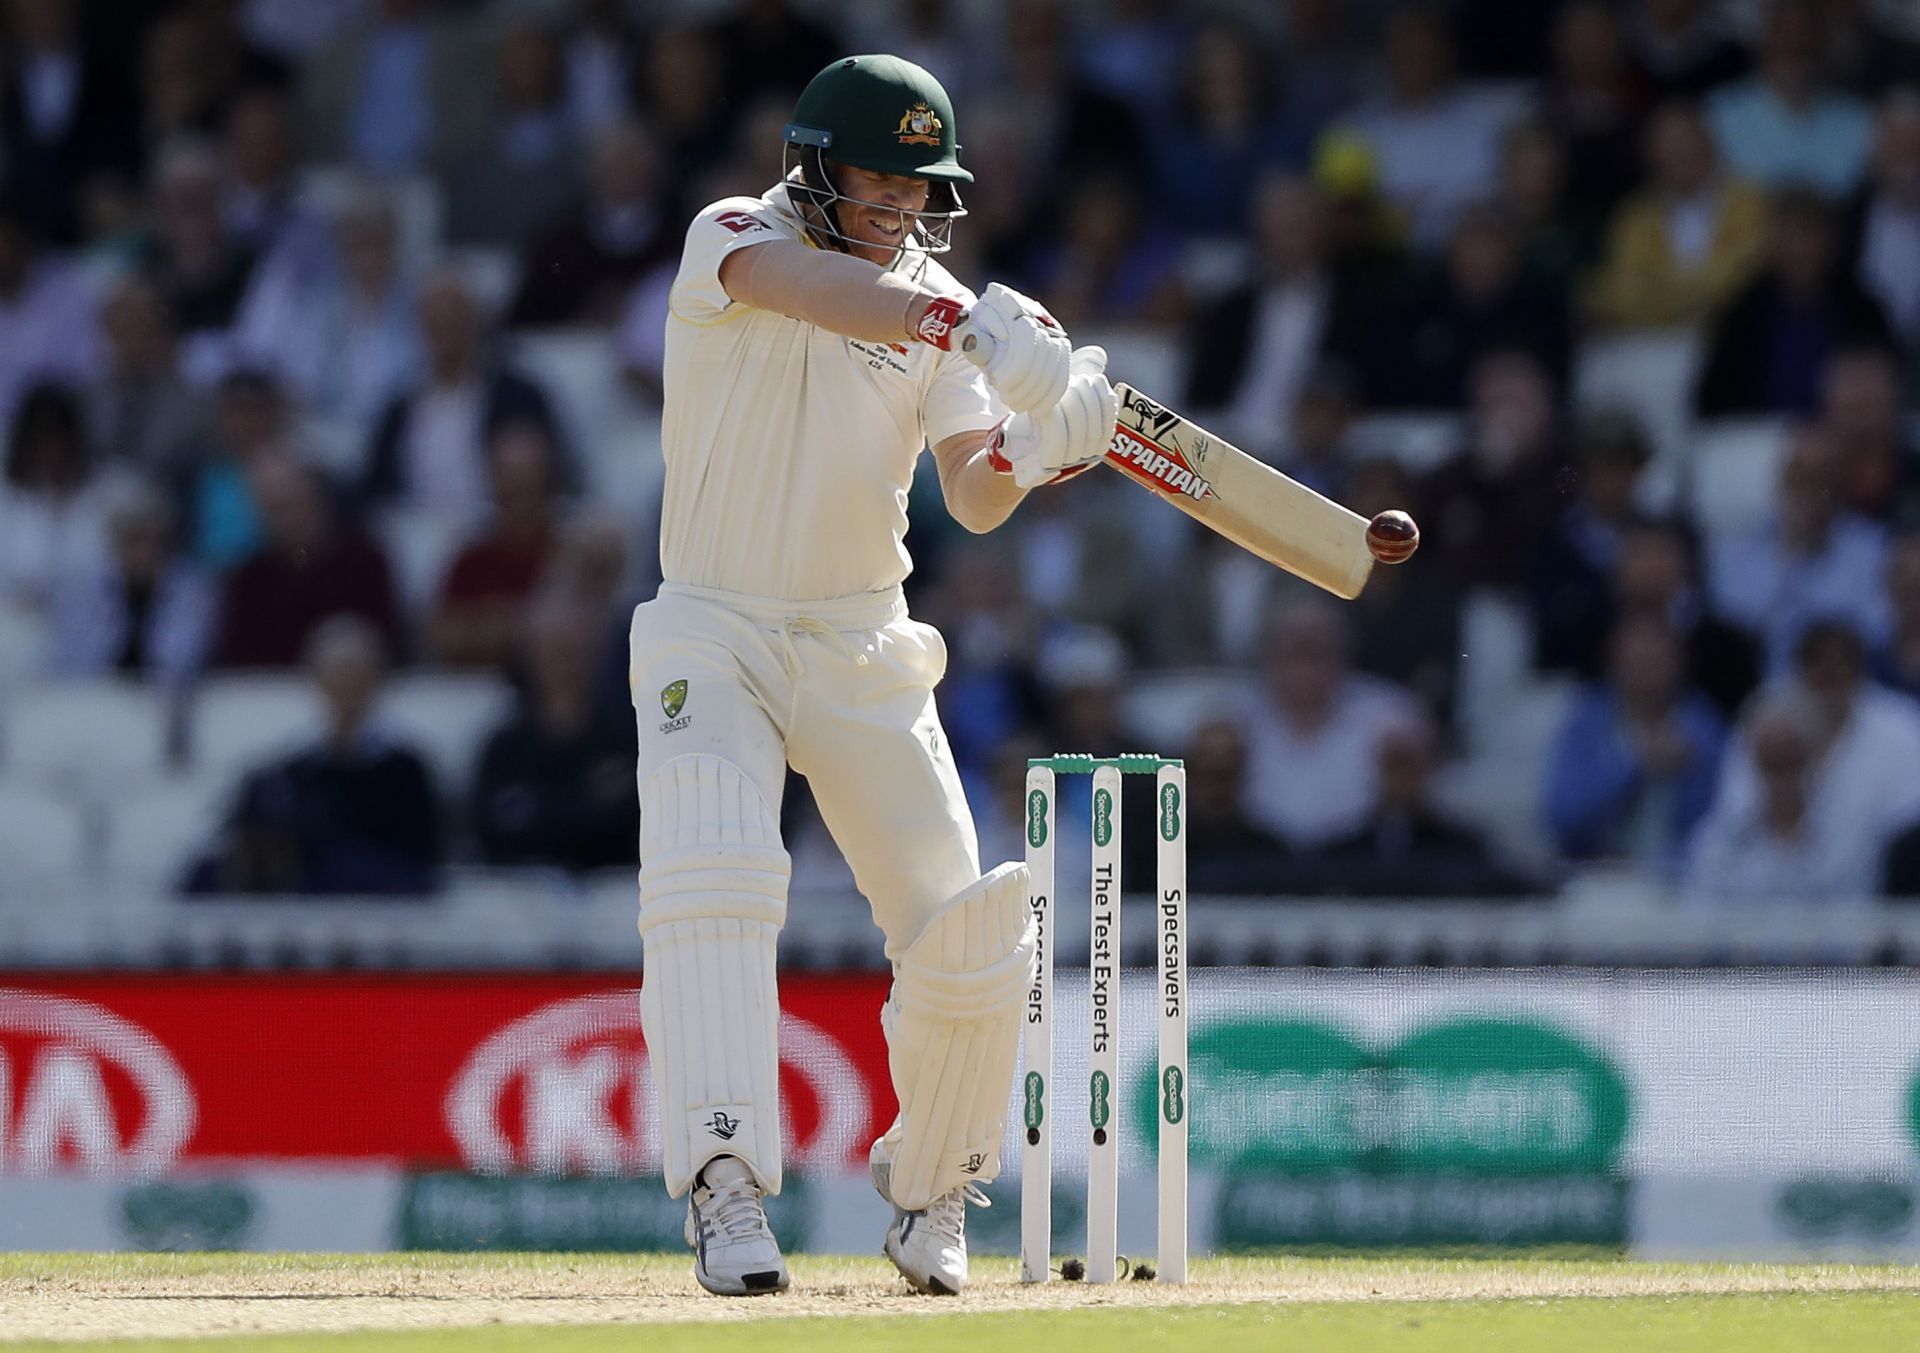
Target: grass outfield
563,1303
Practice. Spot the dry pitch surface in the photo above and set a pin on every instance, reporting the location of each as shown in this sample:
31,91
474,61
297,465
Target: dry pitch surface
92,1297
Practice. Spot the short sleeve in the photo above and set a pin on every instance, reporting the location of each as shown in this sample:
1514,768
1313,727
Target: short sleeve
959,400
729,224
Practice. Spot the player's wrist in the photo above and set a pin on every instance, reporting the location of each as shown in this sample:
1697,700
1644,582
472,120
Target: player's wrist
933,319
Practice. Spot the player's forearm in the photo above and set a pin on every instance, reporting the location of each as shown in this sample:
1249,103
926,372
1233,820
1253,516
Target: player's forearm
978,496
837,292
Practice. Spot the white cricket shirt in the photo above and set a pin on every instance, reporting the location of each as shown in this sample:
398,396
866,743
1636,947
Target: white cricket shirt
790,449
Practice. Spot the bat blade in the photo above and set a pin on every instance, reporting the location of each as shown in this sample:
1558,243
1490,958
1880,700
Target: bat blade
1249,502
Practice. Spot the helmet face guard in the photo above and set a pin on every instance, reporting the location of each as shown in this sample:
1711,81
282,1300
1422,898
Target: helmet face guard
810,185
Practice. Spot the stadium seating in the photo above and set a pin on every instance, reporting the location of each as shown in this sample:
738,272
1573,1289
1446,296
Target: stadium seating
239,722
82,731
156,829
42,844
1736,469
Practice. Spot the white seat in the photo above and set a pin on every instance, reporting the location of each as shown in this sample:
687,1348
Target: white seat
1496,646
1501,787
1736,473
1419,441
415,199
612,430
242,722
86,729
42,843
156,829
447,720
23,644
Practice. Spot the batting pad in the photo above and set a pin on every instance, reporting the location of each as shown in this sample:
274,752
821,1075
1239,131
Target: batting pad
953,1034
713,895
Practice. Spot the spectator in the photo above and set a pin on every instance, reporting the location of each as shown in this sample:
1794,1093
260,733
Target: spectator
1533,186
1111,265
1572,579
1682,47
1687,243
354,815
1634,767
64,116
1480,300
1784,126
1082,671
1325,57
521,166
143,413
250,419
1125,54
1219,136
1861,413
1656,577
1882,227
1865,742
263,210
1775,844
1766,350
1408,847
146,611
1593,103
555,785
770,45
1489,509
395,90
598,48
1900,868
1814,560
1319,445
1436,143
350,344
1862,52
312,567
582,268
687,100
481,617
1896,663
52,519
990,690
47,330
1314,730
1227,854
1061,120
1252,348
429,449
200,271
1405,626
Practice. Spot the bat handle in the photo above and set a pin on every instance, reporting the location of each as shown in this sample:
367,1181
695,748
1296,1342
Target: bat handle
975,343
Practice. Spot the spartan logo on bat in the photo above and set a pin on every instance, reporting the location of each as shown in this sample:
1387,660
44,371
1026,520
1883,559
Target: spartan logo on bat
1166,468
1155,419
919,126
723,1126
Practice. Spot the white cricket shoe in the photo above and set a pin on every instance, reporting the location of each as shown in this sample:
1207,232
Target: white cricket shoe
735,1254
929,1247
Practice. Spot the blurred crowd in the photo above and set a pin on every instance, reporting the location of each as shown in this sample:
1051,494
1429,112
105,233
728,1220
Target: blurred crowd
274,275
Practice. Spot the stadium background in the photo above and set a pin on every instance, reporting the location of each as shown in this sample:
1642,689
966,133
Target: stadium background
1554,888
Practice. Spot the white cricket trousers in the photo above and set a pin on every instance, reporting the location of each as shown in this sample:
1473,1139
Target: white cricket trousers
840,690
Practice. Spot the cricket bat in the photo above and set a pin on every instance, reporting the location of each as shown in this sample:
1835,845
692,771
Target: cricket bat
1250,503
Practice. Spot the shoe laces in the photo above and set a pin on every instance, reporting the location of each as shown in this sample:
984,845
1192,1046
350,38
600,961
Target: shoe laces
946,1215
733,1211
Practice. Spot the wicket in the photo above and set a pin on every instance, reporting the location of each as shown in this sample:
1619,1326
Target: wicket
1103,1122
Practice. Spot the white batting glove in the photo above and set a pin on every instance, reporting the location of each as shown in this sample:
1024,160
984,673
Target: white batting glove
1070,437
1023,349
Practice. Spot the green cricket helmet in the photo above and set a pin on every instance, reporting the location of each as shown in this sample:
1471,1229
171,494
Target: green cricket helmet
884,115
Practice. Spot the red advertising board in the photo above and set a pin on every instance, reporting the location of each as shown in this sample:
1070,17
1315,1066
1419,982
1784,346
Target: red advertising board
492,1073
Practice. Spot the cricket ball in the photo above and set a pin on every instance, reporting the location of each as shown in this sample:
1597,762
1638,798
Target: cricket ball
1393,537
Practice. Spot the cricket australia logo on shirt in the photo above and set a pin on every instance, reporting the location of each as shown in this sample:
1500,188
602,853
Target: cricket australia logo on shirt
673,698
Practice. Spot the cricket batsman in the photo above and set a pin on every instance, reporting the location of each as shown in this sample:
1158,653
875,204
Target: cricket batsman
814,346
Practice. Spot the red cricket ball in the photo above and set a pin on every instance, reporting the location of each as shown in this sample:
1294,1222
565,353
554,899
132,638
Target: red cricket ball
1393,537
